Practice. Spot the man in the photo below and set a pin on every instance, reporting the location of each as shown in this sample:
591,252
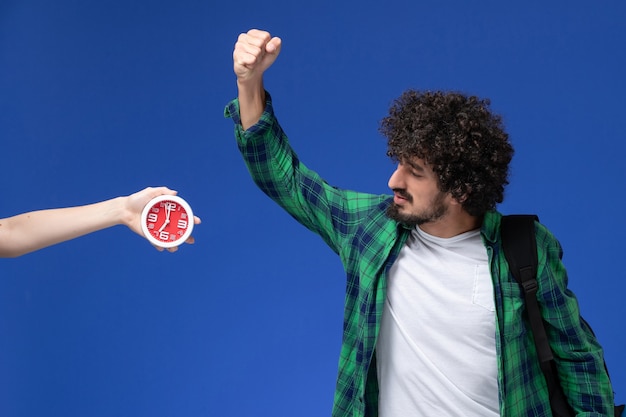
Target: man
28,232
433,319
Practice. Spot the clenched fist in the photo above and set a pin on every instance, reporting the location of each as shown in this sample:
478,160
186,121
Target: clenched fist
255,51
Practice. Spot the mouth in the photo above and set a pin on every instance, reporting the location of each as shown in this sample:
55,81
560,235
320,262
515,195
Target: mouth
398,200
401,197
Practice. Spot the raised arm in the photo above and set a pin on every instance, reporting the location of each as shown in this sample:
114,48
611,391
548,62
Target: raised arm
35,230
255,51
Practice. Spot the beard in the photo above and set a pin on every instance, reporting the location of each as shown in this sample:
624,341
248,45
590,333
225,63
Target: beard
436,210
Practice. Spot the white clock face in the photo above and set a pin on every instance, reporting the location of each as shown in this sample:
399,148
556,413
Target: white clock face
167,221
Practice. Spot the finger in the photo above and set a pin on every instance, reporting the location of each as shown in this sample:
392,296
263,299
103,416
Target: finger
165,191
247,41
152,192
249,50
257,37
246,58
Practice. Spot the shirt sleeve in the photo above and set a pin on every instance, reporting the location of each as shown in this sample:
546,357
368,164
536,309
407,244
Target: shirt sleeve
577,352
331,212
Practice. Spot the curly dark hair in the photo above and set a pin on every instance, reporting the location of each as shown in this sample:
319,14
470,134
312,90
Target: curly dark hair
459,137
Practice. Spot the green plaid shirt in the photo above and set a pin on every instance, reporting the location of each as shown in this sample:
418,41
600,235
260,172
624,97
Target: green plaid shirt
355,226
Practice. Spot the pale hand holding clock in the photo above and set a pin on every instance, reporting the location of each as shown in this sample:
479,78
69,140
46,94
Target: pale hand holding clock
137,203
28,232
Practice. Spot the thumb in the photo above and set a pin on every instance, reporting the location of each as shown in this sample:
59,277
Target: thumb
273,46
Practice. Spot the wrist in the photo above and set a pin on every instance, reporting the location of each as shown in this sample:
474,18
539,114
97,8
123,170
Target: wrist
122,211
251,102
251,89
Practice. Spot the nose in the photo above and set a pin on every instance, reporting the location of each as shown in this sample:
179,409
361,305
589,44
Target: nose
396,180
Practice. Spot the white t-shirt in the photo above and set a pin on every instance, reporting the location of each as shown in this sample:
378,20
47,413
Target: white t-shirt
436,352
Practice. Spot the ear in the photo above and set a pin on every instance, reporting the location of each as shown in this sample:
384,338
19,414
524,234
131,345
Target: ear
452,200
466,192
458,201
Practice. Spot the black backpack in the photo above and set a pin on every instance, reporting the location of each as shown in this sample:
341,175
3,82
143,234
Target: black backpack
520,250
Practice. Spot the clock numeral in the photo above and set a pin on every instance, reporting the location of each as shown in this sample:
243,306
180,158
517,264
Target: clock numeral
154,209
182,224
152,217
183,215
164,235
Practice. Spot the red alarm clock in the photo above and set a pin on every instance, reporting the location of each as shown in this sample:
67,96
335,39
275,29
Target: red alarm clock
167,221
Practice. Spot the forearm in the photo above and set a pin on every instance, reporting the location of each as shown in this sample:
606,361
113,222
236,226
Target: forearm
251,96
35,230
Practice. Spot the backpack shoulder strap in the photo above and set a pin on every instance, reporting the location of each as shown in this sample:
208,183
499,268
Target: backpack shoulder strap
520,247
520,250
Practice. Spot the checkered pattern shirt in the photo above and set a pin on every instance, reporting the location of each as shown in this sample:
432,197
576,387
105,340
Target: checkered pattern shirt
355,226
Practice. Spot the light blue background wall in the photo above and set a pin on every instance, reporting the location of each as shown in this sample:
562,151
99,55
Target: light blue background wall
99,99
